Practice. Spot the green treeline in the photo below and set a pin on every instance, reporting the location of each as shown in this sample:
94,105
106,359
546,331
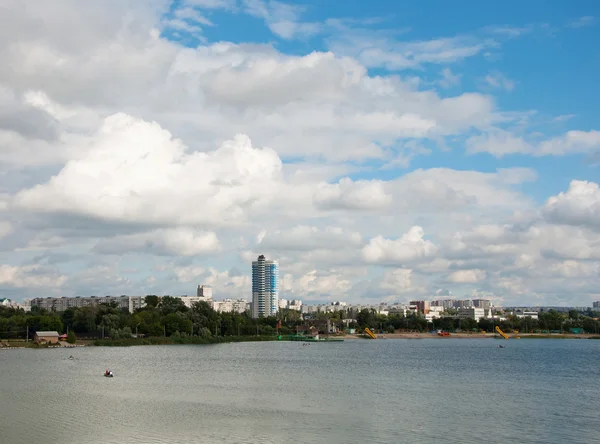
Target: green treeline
162,317
168,317
549,321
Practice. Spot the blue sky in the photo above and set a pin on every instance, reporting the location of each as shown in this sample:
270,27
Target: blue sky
380,150
546,51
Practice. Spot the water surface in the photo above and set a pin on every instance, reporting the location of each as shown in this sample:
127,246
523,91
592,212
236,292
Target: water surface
382,391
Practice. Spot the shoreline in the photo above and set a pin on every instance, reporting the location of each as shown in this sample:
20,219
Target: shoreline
133,342
428,335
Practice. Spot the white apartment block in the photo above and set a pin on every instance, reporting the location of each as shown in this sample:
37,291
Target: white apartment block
25,305
231,305
482,303
295,304
429,317
526,314
189,301
130,303
204,291
471,313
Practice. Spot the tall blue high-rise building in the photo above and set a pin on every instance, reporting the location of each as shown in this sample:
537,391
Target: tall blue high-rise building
265,287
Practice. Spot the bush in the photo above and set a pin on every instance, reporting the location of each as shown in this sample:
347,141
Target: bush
204,333
120,333
71,338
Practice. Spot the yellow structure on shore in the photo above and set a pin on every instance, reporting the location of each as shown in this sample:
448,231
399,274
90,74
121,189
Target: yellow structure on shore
504,335
370,333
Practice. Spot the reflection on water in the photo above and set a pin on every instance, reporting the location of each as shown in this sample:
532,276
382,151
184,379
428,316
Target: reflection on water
384,391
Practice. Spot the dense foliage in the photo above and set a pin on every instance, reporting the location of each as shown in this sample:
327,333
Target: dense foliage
168,317
549,321
71,338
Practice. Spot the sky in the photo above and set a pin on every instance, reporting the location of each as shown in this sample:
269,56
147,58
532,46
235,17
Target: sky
380,151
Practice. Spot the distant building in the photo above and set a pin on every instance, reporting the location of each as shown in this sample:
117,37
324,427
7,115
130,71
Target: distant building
131,303
265,287
482,303
25,305
444,303
189,301
471,313
295,304
50,337
429,317
283,304
596,304
422,306
526,314
5,302
204,291
231,306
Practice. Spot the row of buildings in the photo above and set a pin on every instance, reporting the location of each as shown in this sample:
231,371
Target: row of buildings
266,301
204,294
428,310
132,303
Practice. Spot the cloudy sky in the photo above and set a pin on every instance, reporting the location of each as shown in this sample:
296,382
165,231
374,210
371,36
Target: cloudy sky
381,151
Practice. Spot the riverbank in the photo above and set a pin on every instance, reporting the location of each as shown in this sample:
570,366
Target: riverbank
130,342
428,335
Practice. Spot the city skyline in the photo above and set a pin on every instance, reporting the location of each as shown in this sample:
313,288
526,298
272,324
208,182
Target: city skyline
379,151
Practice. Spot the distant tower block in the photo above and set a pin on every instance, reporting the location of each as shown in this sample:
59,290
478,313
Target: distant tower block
204,291
265,287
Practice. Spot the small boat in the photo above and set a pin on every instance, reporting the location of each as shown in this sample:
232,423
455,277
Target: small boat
501,346
108,374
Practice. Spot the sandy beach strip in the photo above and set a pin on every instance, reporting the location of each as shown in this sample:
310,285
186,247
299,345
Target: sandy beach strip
428,335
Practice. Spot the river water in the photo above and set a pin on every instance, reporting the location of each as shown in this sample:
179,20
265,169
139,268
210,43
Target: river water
357,391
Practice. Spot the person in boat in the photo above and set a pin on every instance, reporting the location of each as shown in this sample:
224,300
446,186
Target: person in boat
108,373
71,357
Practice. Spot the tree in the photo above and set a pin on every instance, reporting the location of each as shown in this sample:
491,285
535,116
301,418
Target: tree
486,324
366,318
203,315
71,338
169,305
177,322
290,316
469,324
84,320
151,301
